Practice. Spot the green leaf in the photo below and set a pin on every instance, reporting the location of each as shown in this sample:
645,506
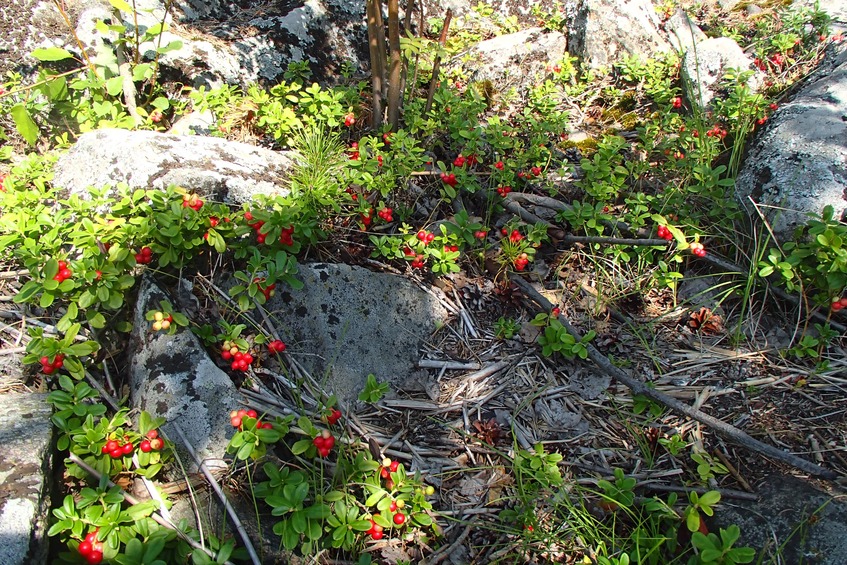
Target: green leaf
300,446
51,54
24,123
121,5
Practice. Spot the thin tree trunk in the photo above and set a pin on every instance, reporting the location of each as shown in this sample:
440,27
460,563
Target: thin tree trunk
376,48
437,63
394,63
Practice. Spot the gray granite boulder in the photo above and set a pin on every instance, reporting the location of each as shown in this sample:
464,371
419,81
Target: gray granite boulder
798,164
172,376
505,58
348,322
224,170
601,32
780,525
706,64
26,434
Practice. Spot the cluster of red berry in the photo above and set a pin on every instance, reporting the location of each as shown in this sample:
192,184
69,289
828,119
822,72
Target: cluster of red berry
116,449
64,272
677,103
333,416
354,153
664,233
152,443
240,360
285,237
192,201
324,442
256,225
451,248
419,261
388,466
462,161
268,291
425,237
375,531
533,172
379,160
521,261
145,256
366,217
839,304
504,190
276,346
499,165
716,131
236,418
698,250
449,179
514,237
480,234
349,119
47,366
91,549
386,214
162,321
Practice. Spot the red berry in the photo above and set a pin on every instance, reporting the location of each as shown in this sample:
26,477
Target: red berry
45,361
152,434
144,446
59,361
112,445
127,448
333,417
157,444
376,535
236,421
267,426
677,102
252,413
399,518
84,548
94,557
116,453
394,465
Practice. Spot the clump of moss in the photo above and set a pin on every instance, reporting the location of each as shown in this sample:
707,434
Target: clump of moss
626,118
587,147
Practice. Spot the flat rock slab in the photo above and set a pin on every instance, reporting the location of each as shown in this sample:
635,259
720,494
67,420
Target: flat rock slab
173,377
782,516
26,435
213,167
348,322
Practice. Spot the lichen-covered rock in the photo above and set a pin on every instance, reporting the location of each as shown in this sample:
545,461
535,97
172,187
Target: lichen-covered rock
172,376
784,507
225,170
601,32
796,165
682,32
706,64
505,57
25,477
348,322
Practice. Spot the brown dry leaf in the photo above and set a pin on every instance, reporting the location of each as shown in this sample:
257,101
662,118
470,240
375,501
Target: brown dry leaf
705,321
489,432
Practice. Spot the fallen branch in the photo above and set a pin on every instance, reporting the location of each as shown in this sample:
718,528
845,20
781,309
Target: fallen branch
236,521
637,387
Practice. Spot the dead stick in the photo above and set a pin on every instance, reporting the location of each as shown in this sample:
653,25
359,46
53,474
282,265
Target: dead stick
437,63
132,500
637,387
